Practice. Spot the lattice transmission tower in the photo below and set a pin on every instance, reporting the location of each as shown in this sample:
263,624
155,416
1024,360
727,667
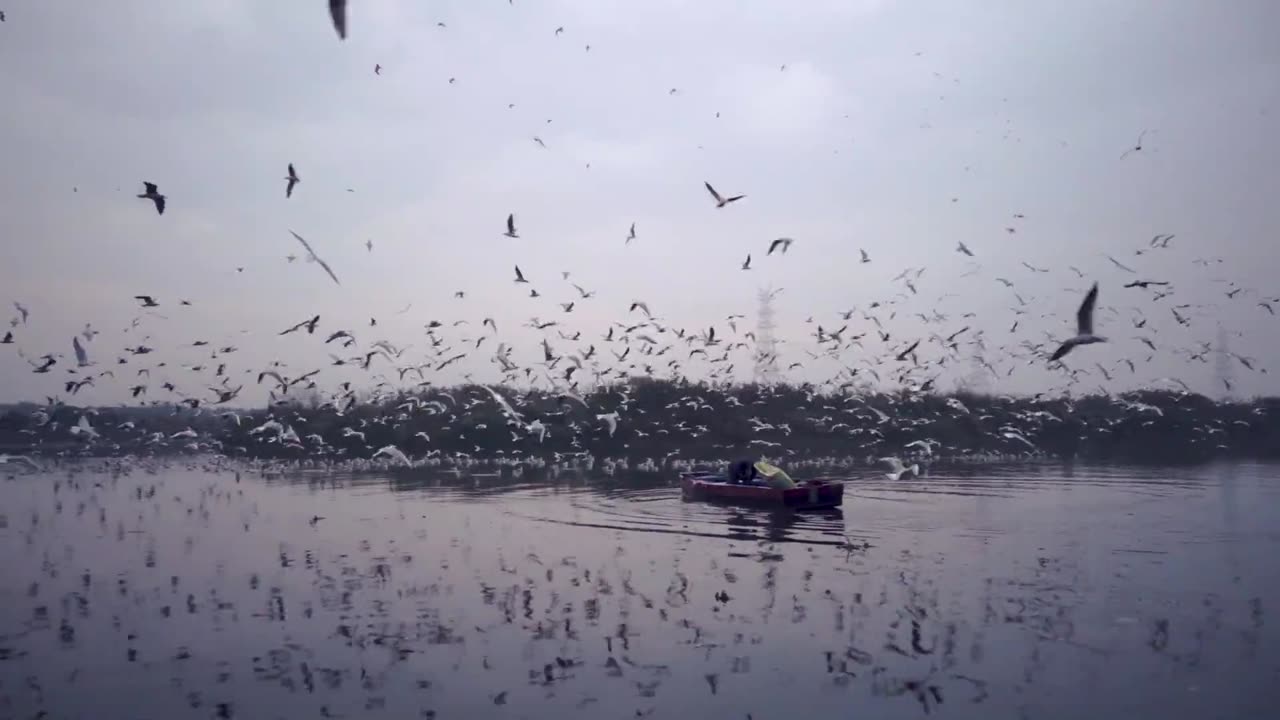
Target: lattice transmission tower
1224,369
766,370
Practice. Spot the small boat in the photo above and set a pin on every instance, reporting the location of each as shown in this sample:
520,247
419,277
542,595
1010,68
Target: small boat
811,495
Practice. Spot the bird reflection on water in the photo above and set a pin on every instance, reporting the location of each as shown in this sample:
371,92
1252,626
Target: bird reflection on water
187,591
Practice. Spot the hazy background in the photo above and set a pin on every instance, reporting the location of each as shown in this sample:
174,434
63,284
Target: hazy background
898,127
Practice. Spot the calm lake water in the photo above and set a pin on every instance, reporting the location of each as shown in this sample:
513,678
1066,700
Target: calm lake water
1033,591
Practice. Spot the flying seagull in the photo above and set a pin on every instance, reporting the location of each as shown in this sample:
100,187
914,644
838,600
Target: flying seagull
292,177
865,257
153,195
1120,265
146,300
511,226
962,248
631,234
82,357
338,11
520,276
897,469
782,242
1084,326
1137,147
312,254
746,264
721,201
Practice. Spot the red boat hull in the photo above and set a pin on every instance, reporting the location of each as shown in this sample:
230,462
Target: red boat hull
813,495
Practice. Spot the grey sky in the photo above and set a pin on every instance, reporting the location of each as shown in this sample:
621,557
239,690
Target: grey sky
884,113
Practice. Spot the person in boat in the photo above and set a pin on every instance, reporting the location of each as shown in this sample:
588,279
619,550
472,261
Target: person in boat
745,472
742,472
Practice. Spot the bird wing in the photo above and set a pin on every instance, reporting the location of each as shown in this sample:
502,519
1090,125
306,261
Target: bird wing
159,200
713,192
1084,316
312,253
329,270
1063,349
394,453
1120,265
338,11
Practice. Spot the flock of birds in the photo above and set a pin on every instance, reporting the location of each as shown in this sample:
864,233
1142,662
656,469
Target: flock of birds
643,345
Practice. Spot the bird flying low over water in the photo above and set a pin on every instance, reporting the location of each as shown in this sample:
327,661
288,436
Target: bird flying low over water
312,254
721,201
1084,326
897,469
153,195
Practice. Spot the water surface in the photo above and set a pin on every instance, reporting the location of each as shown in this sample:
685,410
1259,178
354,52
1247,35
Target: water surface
1020,591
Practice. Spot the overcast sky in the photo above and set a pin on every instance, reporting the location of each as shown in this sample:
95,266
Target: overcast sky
901,128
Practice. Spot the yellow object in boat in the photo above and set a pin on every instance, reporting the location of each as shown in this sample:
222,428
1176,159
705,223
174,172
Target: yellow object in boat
775,476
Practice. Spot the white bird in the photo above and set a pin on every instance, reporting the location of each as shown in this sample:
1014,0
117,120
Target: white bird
502,403
610,419
312,254
19,460
1016,436
394,453
82,357
537,427
82,427
925,445
1084,326
897,469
